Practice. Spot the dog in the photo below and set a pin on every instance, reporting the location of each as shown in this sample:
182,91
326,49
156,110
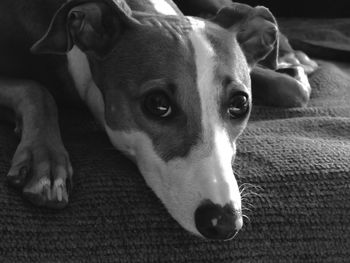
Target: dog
173,92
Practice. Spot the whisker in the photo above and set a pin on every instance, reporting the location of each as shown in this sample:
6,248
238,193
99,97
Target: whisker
247,217
250,194
249,204
249,185
246,209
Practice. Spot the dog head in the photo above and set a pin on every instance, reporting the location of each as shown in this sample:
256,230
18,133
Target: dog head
173,93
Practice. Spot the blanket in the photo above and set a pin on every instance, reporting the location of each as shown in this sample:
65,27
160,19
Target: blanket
293,166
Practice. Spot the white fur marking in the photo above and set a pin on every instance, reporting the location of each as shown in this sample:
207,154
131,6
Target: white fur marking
163,7
205,55
224,187
78,66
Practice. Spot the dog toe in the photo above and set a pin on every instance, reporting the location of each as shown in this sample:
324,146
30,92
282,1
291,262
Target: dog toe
59,194
20,168
37,192
43,173
44,193
18,178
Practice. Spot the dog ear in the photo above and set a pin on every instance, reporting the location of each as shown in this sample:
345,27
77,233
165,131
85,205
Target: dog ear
256,31
92,25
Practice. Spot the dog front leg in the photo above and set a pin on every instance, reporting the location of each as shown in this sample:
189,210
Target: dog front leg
40,166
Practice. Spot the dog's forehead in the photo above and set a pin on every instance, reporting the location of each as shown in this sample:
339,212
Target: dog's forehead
222,43
178,40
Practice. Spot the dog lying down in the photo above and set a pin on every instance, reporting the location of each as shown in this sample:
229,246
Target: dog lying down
172,92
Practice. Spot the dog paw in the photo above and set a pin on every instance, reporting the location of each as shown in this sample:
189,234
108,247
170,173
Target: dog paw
298,59
43,172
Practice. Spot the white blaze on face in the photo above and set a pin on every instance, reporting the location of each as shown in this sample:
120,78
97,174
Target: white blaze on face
163,7
220,180
206,172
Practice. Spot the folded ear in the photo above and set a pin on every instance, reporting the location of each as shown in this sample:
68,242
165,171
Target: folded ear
92,25
256,31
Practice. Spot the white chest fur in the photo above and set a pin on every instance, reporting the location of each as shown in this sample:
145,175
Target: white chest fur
78,66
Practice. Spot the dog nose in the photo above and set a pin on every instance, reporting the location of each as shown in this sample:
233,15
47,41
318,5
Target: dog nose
216,222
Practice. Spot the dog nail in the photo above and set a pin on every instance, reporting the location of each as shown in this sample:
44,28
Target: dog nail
59,193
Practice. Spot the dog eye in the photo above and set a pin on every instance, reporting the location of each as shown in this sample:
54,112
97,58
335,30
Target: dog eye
239,106
158,105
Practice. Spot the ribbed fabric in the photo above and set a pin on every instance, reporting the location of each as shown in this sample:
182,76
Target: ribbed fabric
294,164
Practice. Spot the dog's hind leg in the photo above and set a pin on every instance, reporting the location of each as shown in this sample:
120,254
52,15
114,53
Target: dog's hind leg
282,78
288,88
287,85
40,166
